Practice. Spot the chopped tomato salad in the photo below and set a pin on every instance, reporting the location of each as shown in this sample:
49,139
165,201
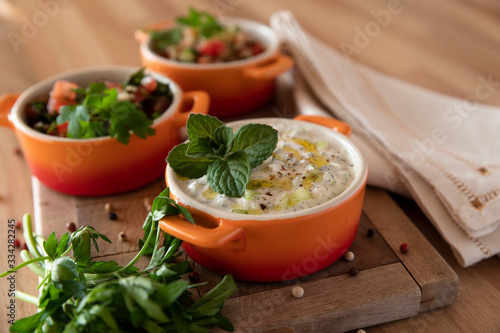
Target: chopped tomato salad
101,108
200,38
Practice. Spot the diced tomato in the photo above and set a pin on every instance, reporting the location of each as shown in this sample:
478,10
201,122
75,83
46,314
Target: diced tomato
61,94
54,104
62,129
212,48
257,48
149,84
140,94
111,85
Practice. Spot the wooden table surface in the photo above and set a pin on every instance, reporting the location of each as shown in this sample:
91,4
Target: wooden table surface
447,46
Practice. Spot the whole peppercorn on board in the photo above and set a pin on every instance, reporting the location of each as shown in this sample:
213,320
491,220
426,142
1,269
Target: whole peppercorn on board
381,284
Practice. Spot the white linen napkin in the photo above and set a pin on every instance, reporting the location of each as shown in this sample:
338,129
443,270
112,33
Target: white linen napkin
444,149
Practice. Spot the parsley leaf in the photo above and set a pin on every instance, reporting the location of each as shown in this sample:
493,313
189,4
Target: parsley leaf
206,23
102,113
162,39
225,157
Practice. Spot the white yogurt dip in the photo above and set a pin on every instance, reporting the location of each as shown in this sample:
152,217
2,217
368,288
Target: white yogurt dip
306,169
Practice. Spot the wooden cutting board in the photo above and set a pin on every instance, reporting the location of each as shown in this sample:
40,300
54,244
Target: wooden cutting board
390,285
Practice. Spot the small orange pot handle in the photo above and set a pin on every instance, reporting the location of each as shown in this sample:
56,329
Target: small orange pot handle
199,101
141,34
199,236
334,124
6,103
269,70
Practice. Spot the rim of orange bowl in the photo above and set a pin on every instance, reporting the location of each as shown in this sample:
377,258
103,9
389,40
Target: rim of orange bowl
43,88
359,181
258,30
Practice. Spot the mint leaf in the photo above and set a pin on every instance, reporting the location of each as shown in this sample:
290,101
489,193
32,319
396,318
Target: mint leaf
230,176
202,126
225,157
223,135
188,166
199,147
257,140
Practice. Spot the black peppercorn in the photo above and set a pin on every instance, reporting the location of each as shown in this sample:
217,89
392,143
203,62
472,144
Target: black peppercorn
370,232
353,271
194,277
112,216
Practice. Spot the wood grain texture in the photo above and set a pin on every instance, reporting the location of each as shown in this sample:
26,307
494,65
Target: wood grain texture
443,45
335,304
439,282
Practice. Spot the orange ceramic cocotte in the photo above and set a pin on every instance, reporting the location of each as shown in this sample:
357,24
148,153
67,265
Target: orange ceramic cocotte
235,87
280,246
98,166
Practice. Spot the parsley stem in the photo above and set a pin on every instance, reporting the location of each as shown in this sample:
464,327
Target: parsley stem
142,251
26,297
26,263
155,249
34,266
91,277
28,236
47,276
67,250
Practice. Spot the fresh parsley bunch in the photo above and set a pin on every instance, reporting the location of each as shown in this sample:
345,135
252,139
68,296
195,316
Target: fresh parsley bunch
225,157
79,294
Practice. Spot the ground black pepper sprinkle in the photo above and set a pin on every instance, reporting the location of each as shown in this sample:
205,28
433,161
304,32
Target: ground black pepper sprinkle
353,271
194,277
263,207
112,216
370,232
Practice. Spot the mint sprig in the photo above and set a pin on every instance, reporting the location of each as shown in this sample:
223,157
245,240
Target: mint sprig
225,157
